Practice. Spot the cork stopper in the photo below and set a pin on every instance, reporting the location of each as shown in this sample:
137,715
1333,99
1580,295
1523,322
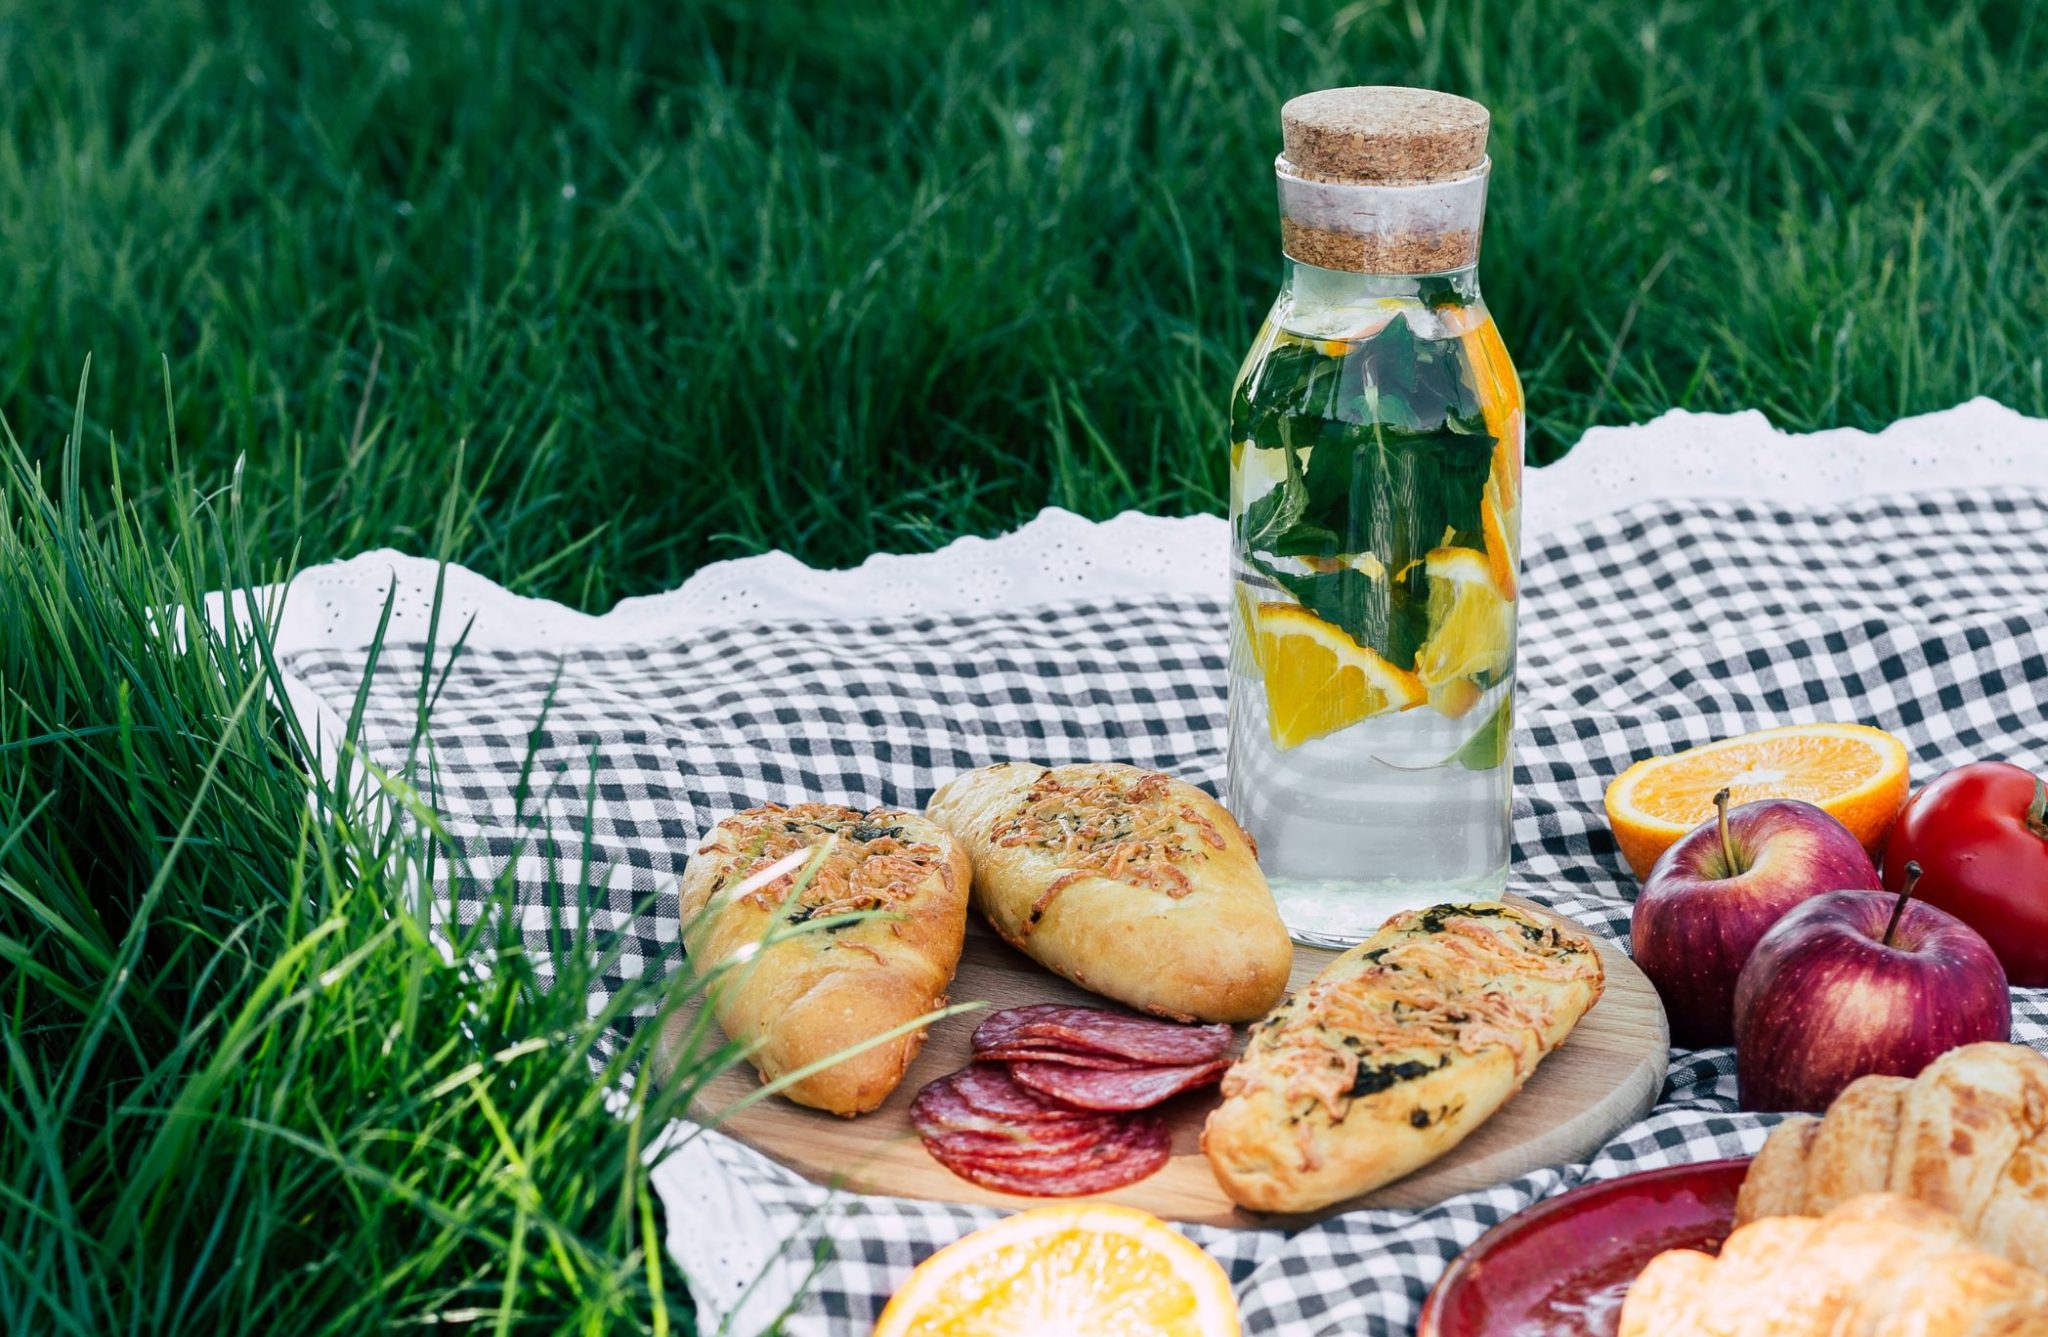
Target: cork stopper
1382,180
1382,135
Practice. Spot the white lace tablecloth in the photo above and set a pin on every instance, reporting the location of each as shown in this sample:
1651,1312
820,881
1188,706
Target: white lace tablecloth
1060,556
719,1228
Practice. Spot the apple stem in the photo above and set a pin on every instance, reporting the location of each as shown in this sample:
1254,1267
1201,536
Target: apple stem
1727,841
2037,811
1905,894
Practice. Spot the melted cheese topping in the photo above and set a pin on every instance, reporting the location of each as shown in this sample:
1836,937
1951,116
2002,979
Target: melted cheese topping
871,866
1464,984
1113,824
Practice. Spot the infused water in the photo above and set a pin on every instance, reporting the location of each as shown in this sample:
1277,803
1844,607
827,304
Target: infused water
1376,455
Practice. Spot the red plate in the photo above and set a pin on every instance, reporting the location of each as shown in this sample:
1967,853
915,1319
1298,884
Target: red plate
1560,1267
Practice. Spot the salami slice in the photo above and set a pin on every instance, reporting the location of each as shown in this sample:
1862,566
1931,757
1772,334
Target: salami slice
1033,1143
1055,1139
940,1107
1067,1154
1167,1043
1023,1052
1141,1150
1073,1128
993,1092
1095,1030
942,1112
998,1028
1096,1089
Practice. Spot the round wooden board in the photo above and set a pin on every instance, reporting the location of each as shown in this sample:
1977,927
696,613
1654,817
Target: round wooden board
1605,1077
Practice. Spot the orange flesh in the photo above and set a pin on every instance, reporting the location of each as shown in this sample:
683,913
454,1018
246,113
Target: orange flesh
1815,769
1073,1274
1081,1267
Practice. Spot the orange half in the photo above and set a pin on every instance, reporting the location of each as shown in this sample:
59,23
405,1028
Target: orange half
1853,772
1075,1268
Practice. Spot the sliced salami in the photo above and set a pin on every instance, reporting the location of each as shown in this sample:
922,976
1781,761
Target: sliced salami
1072,1129
1141,1150
1167,1043
1023,1052
940,1107
1032,1142
993,1091
1097,1089
998,1028
1068,1154
1096,1030
942,1112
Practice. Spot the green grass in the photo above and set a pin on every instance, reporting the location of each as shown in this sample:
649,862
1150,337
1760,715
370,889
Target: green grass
698,283
585,294
247,1090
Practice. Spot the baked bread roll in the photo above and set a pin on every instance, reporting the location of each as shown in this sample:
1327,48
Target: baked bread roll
810,996
1131,883
1969,1135
1880,1265
1396,1051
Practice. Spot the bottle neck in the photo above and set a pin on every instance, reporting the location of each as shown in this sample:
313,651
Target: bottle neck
1429,227
1313,285
1334,303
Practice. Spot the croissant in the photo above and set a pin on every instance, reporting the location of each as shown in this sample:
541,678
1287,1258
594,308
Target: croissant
1969,1135
1879,1265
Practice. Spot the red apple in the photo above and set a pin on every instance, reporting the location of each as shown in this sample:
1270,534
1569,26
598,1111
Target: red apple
1712,895
1860,982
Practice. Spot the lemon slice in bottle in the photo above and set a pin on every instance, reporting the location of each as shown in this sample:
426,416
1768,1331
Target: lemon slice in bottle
1319,680
1471,629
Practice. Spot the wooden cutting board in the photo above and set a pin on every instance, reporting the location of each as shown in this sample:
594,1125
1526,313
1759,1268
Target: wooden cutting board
1605,1077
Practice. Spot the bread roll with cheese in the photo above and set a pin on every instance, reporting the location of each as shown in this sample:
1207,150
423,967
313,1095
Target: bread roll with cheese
813,995
1396,1051
1128,882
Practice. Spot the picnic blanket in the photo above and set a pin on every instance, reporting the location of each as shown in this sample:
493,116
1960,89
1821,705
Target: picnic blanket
1686,580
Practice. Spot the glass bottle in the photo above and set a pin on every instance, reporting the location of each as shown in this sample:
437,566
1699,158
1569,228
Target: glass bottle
1376,455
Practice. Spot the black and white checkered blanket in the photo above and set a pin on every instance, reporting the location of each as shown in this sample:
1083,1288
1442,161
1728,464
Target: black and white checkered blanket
1643,631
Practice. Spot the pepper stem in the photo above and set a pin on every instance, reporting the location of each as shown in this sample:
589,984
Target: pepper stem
1905,894
2037,811
1727,840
